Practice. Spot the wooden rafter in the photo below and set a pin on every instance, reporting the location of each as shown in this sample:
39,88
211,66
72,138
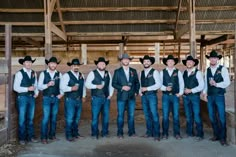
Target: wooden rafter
31,41
157,8
60,16
177,15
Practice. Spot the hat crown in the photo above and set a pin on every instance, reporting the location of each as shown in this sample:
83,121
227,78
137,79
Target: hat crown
190,58
27,58
125,56
146,57
170,57
53,59
75,61
213,54
101,59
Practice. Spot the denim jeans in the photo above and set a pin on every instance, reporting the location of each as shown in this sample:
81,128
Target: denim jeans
100,105
73,109
216,110
192,113
26,108
149,104
130,106
170,102
50,110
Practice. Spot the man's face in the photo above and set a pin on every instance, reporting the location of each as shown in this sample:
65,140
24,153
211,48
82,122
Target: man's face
213,60
27,64
125,62
190,64
75,68
52,66
170,63
101,66
146,63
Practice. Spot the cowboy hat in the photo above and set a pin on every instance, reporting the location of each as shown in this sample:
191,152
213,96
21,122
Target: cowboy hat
101,59
27,58
74,61
52,59
170,57
147,57
125,56
214,54
192,59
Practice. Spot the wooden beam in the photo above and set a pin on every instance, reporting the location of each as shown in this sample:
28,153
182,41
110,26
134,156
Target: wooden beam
51,6
31,41
177,15
121,22
179,33
192,27
60,16
216,40
47,28
58,32
113,9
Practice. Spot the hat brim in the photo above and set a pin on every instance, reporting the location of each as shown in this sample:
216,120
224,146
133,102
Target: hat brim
152,59
130,58
176,60
21,61
106,62
70,64
194,60
219,56
47,61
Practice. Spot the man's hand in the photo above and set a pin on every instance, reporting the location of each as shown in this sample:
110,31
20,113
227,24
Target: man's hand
168,88
31,88
187,91
83,99
74,88
204,97
51,83
126,88
36,95
178,95
100,86
143,89
59,96
213,82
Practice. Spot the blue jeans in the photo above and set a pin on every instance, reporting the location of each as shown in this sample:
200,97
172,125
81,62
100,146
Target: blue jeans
100,105
216,110
50,110
192,112
26,108
121,106
149,103
73,109
170,102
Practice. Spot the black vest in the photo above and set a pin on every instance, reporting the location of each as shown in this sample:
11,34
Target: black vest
52,90
212,90
73,81
191,81
27,82
174,79
148,81
104,92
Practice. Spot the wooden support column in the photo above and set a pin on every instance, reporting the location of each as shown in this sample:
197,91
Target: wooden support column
47,28
202,54
8,100
84,53
235,80
230,61
192,37
121,48
179,51
157,52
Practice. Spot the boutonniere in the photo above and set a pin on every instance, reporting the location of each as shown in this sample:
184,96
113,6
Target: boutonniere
192,73
32,74
131,73
105,75
56,78
218,72
175,74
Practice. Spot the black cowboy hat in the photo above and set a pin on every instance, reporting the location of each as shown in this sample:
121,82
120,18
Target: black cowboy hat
74,61
27,58
192,59
125,56
101,59
147,57
170,57
52,59
214,54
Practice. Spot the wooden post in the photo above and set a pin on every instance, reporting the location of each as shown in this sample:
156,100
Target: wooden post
121,48
230,61
84,53
192,37
47,28
157,52
202,54
8,100
179,51
235,80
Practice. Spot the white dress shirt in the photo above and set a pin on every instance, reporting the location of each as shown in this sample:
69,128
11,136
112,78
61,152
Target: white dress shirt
65,80
225,74
126,73
180,77
18,79
200,80
91,77
41,85
156,77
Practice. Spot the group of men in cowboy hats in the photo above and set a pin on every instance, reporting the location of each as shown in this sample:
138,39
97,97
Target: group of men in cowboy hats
173,84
